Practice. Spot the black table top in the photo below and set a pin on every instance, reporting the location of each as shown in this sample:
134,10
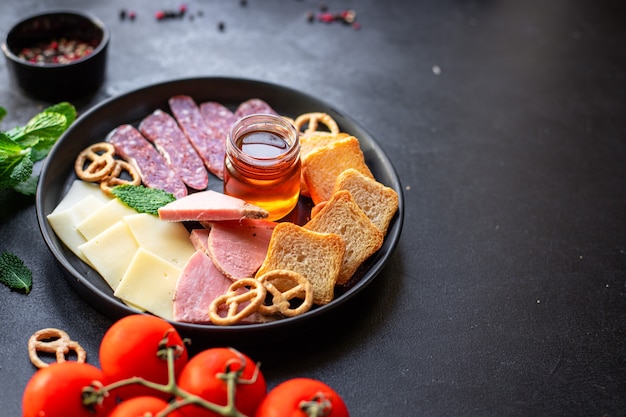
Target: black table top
505,123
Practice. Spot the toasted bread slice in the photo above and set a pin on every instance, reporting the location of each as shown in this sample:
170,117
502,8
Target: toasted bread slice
378,201
318,139
316,256
322,166
312,141
342,216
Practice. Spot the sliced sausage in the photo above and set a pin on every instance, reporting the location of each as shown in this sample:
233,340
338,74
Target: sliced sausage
162,130
153,169
254,106
191,122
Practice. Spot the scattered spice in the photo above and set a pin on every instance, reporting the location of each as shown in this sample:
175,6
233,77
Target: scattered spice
57,51
171,14
131,15
347,16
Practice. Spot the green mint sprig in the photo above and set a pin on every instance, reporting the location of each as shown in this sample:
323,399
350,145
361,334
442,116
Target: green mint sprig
15,274
22,146
143,199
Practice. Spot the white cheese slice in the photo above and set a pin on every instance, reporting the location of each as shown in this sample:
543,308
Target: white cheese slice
111,251
64,223
103,218
149,283
77,192
168,240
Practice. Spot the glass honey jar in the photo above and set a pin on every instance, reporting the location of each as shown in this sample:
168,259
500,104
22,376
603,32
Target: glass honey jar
262,163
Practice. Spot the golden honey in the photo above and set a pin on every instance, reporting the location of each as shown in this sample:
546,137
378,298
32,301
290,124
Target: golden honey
262,163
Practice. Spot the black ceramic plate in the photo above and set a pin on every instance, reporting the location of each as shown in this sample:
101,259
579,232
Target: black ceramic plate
57,174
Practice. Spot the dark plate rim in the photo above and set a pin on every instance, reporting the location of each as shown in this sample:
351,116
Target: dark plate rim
92,118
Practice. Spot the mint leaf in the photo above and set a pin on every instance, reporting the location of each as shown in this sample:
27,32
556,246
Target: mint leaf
15,164
15,274
3,113
45,125
65,109
143,199
29,186
21,146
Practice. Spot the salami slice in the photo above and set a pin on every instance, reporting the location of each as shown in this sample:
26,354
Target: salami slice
191,122
254,106
162,130
152,167
218,119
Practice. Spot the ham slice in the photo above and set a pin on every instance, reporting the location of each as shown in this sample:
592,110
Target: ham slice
209,205
238,248
200,239
199,284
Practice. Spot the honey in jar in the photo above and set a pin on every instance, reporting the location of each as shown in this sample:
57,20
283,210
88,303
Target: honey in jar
262,163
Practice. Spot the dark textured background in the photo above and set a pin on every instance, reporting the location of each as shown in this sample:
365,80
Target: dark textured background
505,121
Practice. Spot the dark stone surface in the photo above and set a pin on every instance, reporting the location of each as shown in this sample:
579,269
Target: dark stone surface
505,122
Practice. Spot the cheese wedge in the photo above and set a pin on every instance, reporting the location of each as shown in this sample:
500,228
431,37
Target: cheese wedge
149,283
111,252
167,240
77,192
65,222
103,218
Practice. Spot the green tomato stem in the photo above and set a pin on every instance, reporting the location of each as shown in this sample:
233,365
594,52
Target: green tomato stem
94,394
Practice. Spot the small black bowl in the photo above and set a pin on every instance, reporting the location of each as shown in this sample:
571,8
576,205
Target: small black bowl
65,78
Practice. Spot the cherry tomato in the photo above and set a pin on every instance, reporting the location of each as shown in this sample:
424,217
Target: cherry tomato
141,406
129,349
56,391
200,377
288,398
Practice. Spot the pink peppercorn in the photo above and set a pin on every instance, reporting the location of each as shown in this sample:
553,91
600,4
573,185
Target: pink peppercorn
325,17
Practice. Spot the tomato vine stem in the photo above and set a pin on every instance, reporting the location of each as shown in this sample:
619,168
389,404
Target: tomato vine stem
96,392
318,406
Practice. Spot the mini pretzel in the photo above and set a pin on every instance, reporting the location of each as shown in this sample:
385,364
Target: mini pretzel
95,162
234,298
280,300
53,341
114,178
312,121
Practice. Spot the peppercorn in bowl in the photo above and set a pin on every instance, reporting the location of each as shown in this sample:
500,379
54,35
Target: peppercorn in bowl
58,55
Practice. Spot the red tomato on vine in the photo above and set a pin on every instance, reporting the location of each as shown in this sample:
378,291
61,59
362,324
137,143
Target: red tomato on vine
56,391
201,377
141,406
130,349
302,397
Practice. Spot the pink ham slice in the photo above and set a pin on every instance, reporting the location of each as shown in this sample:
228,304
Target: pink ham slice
161,129
200,239
199,284
208,206
238,248
210,149
152,167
